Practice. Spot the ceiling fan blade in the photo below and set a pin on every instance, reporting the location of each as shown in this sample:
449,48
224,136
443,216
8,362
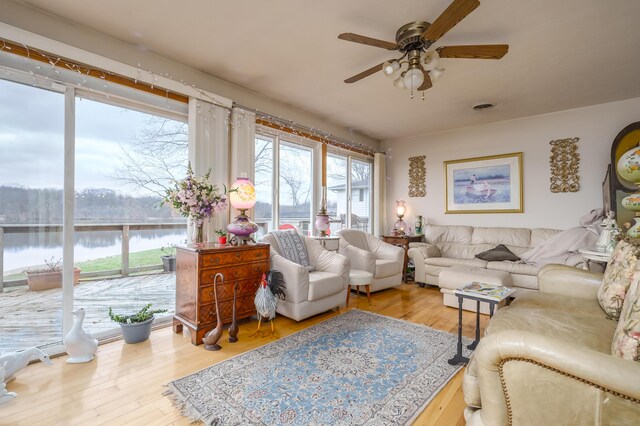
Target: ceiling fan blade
453,14
427,82
356,38
481,51
364,74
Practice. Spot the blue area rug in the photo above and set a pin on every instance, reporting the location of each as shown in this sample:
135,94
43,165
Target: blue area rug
352,369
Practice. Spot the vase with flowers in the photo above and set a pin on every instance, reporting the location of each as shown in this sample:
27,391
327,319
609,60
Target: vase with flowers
197,199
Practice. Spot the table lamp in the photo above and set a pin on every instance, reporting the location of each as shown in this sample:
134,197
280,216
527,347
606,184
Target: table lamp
400,226
242,196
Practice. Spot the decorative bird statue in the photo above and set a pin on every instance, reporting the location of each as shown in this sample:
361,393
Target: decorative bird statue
210,339
80,346
272,288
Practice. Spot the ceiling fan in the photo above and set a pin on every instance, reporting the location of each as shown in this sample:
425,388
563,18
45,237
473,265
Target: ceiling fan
418,67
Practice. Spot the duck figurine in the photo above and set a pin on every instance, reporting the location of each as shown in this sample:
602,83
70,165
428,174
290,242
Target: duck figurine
80,346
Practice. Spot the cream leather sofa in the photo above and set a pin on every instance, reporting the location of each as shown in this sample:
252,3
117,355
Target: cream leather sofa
369,253
310,293
446,246
546,360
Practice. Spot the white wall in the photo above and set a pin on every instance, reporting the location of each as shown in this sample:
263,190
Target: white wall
596,126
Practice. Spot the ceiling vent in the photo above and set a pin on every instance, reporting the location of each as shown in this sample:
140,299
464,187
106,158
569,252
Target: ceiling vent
483,107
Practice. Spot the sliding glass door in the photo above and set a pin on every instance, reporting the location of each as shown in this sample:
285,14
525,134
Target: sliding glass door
360,195
31,199
122,228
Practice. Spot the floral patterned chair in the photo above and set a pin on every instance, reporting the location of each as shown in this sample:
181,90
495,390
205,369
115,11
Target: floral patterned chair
566,355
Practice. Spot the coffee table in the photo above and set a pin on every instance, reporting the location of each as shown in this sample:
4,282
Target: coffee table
461,294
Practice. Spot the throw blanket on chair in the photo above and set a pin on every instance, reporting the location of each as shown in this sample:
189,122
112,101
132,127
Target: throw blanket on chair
292,247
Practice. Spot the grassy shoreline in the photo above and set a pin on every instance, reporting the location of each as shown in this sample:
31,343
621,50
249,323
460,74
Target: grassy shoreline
136,259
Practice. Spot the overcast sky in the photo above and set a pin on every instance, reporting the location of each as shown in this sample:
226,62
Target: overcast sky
32,138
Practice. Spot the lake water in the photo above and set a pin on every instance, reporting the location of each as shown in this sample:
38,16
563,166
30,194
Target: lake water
25,250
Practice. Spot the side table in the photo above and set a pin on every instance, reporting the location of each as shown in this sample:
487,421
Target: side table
592,254
458,358
403,241
328,243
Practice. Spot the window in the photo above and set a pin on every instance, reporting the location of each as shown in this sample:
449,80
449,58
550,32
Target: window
263,210
286,182
296,187
360,205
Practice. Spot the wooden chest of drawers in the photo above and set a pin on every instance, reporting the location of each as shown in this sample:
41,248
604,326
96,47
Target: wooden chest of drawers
195,269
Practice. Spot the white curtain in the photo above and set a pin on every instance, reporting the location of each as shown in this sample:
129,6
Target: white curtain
209,150
243,134
379,194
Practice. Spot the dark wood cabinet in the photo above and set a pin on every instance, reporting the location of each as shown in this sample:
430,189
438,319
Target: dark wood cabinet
196,268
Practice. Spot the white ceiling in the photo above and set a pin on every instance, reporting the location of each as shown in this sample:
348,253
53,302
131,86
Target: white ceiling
563,54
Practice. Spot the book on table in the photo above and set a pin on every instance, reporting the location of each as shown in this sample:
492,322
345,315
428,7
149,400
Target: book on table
496,293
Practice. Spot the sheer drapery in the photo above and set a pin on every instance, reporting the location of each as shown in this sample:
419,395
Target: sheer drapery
379,194
209,149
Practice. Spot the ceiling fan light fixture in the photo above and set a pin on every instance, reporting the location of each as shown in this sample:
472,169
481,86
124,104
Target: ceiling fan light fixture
399,83
436,73
430,60
413,78
390,67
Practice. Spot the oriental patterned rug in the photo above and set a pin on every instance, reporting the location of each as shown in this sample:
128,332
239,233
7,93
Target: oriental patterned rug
352,369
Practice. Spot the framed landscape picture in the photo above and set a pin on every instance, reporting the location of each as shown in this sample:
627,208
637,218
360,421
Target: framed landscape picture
484,184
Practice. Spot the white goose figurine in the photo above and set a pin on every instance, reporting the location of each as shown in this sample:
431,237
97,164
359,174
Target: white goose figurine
80,346
13,362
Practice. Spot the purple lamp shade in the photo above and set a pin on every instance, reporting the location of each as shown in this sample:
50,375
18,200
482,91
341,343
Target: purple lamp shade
242,195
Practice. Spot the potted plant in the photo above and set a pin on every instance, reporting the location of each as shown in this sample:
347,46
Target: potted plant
49,276
222,236
136,328
168,258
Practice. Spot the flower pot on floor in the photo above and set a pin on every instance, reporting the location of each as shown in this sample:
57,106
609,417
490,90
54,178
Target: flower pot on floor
137,332
38,281
169,263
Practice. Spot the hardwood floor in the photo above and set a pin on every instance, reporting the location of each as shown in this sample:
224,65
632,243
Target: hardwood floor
124,385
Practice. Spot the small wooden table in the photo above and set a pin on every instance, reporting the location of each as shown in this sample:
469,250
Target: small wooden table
458,358
403,241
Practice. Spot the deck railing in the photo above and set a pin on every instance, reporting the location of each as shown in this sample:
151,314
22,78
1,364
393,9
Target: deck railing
123,228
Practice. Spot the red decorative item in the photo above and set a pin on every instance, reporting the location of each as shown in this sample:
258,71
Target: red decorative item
222,240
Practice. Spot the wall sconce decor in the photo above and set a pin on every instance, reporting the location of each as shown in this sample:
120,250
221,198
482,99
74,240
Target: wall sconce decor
565,164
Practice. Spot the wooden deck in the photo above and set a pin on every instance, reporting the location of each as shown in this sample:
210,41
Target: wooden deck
34,318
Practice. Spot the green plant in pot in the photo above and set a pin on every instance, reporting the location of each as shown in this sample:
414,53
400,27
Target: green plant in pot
222,236
168,258
136,328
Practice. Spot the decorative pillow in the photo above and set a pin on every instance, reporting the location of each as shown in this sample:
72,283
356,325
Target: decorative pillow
497,254
626,341
292,247
617,278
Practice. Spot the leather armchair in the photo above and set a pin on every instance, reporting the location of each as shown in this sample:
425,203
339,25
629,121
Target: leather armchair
546,359
368,253
310,293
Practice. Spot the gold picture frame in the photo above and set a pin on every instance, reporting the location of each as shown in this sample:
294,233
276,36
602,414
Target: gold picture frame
490,184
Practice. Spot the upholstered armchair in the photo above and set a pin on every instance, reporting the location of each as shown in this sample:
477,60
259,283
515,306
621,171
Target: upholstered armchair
310,293
546,360
371,254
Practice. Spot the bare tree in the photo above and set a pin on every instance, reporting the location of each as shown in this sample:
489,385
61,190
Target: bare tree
156,157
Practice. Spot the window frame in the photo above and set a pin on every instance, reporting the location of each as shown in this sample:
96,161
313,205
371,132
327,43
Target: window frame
278,136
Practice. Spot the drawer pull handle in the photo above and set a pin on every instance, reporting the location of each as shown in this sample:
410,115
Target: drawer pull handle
237,255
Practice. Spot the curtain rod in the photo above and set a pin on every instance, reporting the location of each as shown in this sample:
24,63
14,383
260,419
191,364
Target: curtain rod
322,134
